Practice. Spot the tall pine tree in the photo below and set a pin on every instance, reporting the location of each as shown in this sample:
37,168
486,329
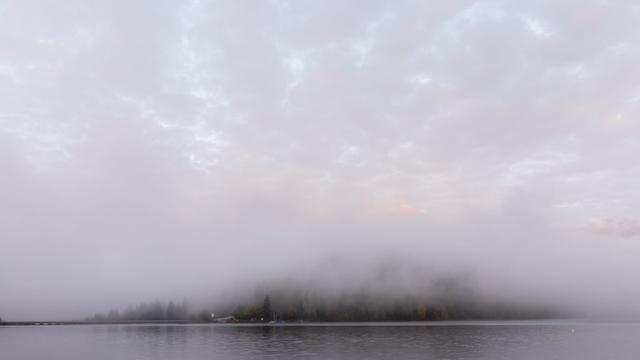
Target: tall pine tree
266,309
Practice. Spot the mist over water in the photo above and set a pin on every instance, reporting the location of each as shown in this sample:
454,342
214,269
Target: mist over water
201,150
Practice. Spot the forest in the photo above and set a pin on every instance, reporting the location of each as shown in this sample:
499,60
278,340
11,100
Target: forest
451,300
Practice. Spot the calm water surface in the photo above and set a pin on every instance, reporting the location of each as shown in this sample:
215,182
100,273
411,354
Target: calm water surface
474,340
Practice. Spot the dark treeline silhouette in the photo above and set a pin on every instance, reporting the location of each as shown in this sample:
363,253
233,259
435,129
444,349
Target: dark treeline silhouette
444,298
154,311
421,299
363,308
310,307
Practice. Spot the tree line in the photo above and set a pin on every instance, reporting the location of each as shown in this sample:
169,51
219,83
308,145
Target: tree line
407,309
153,311
447,299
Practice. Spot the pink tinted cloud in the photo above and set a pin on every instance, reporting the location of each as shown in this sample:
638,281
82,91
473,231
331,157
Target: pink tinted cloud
615,226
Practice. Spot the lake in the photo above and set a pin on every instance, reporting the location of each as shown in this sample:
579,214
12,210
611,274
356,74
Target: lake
451,340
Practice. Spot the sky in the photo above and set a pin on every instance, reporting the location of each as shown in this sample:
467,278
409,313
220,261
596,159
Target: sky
167,149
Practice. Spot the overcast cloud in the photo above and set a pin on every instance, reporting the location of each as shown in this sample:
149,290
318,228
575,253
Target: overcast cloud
156,149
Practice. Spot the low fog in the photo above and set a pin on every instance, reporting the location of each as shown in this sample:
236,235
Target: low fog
157,150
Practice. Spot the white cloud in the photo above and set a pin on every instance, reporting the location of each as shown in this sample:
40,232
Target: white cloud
537,27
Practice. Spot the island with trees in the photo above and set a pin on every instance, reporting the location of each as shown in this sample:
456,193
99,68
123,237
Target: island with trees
295,304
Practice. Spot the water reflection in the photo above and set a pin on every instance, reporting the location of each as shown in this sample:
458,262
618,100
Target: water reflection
471,341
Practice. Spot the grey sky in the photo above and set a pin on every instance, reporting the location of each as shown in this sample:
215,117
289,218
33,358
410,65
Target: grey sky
164,148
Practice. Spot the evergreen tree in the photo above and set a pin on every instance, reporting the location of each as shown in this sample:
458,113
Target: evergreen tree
266,309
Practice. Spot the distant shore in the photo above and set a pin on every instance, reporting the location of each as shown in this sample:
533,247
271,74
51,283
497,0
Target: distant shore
189,322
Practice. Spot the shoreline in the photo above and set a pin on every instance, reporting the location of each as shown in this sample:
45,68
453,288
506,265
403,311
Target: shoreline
479,322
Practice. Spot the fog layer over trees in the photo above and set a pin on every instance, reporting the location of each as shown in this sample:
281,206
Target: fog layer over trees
390,291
